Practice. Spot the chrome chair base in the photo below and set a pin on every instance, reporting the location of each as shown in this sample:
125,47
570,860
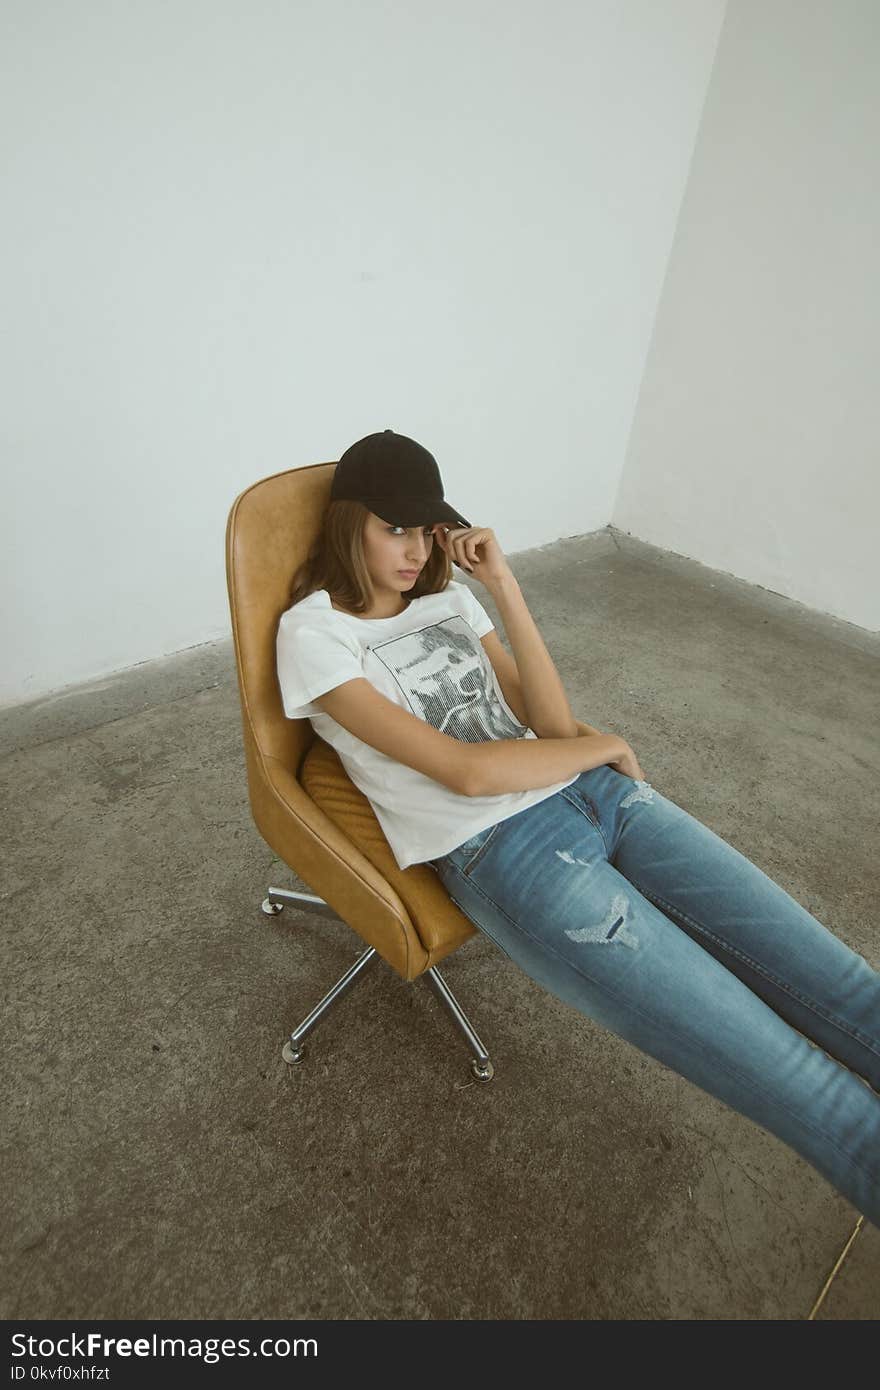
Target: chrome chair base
292,1051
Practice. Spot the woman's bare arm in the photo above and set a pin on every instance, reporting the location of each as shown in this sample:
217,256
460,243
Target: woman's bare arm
471,769
477,550
549,713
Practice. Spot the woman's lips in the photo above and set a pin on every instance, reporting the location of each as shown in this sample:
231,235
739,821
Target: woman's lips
409,574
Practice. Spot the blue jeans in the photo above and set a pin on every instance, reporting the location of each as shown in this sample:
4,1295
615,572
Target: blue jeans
622,904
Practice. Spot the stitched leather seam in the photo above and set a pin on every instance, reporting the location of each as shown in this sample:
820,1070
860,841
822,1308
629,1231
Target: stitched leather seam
344,863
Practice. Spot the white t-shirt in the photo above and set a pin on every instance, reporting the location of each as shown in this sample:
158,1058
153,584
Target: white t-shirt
428,659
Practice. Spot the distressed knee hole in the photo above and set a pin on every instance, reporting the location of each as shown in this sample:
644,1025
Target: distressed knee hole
613,927
642,791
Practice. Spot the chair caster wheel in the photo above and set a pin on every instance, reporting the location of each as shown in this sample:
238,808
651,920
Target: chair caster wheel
483,1071
290,1056
271,909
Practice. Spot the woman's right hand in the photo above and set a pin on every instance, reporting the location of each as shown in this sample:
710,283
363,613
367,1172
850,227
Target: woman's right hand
628,763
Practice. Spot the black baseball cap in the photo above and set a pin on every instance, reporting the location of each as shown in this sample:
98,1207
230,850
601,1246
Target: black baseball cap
396,479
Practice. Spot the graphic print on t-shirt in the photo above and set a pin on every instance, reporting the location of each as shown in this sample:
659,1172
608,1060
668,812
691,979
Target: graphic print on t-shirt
447,679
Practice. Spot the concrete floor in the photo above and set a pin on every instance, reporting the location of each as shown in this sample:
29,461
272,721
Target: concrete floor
164,1162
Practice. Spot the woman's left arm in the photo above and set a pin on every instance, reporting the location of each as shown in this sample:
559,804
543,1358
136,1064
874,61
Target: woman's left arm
543,693
476,549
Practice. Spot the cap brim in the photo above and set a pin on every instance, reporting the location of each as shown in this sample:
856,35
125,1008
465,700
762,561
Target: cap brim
419,512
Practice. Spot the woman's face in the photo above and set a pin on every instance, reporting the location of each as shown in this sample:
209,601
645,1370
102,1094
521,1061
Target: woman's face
395,555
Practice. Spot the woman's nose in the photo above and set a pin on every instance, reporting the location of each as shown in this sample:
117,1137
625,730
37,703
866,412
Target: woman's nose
417,550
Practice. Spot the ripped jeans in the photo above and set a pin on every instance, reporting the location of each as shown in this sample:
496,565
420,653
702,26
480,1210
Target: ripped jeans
623,905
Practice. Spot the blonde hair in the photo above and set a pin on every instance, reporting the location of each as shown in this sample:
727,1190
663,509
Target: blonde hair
336,562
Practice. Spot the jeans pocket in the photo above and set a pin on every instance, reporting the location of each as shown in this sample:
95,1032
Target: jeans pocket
475,913
577,797
468,854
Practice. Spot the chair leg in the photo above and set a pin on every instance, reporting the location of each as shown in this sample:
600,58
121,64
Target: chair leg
306,902
481,1066
292,1050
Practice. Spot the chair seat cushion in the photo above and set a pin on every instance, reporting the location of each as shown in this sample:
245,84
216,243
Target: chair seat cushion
440,925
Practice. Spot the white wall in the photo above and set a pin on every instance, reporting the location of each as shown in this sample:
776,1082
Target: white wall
756,443
239,236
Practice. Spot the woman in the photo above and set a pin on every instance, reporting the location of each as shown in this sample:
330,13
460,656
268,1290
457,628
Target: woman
556,846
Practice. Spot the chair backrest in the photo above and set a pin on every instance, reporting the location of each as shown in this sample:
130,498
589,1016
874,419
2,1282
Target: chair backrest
271,528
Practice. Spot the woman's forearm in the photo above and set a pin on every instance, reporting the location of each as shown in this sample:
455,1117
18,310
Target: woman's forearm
545,699
523,764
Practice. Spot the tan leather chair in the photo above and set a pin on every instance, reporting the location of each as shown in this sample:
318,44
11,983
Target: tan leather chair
303,802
